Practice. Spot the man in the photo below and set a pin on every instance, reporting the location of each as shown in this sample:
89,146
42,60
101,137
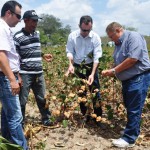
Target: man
11,115
82,43
132,67
27,43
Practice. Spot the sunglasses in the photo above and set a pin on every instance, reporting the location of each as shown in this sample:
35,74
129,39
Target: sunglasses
17,15
83,30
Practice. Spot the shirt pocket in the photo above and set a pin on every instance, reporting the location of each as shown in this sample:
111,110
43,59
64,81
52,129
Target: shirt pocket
90,47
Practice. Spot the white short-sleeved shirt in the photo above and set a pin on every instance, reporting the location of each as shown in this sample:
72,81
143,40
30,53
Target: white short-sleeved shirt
7,44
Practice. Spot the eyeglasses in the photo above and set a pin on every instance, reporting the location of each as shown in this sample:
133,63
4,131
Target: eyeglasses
17,15
84,30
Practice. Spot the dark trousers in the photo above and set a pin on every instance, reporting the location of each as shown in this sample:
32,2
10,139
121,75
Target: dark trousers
35,82
84,71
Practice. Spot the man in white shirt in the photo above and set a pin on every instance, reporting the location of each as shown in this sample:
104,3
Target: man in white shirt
82,43
11,115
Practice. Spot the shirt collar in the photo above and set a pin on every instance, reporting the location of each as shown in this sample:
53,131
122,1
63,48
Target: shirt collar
27,33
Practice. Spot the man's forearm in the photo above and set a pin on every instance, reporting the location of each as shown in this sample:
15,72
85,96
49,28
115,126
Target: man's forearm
95,65
128,63
70,60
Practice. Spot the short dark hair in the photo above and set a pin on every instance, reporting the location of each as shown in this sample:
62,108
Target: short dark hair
113,26
86,19
9,5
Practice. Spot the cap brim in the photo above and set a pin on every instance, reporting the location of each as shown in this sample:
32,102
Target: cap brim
35,18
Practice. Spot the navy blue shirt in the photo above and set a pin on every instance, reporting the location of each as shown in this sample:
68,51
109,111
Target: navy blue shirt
132,45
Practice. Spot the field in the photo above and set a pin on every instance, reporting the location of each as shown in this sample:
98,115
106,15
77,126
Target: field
70,130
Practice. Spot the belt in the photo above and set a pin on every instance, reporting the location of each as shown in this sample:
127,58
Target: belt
83,65
2,74
145,72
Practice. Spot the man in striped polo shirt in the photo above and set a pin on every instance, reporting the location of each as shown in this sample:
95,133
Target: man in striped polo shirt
28,46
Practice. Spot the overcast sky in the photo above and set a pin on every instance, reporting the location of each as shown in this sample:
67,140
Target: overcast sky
132,13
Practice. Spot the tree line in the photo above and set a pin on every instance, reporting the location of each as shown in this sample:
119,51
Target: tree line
53,32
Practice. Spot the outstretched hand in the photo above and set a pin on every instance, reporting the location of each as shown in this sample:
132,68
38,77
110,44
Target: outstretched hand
90,79
107,73
48,57
70,70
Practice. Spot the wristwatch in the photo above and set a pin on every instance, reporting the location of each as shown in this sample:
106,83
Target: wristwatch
113,71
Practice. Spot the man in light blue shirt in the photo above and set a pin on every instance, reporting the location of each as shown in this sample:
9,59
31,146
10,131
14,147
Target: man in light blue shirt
132,67
84,47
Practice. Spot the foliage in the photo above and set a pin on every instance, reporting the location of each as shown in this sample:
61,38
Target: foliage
49,23
5,145
40,146
43,37
70,88
66,97
130,28
64,93
52,30
148,42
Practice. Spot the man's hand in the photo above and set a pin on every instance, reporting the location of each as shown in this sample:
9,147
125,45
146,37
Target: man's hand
90,79
108,72
48,57
15,87
70,70
20,80
126,64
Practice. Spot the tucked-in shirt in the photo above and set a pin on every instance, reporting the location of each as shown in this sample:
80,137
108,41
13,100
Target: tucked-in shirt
28,47
84,49
132,45
7,45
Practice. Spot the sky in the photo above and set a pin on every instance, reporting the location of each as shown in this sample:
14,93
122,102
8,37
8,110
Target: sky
130,13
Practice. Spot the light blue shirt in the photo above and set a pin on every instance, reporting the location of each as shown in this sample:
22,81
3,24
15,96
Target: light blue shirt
132,45
79,47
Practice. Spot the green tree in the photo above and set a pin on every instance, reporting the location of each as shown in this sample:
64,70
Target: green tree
130,28
52,30
43,37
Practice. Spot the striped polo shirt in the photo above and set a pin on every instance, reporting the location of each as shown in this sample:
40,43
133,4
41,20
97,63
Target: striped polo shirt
28,47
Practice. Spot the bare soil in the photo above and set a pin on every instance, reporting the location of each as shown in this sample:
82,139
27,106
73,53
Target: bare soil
77,135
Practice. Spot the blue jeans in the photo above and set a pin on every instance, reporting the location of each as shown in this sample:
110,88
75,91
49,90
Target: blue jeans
11,116
35,82
134,94
84,71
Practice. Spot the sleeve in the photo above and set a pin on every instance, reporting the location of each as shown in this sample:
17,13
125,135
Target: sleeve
97,49
70,47
4,40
